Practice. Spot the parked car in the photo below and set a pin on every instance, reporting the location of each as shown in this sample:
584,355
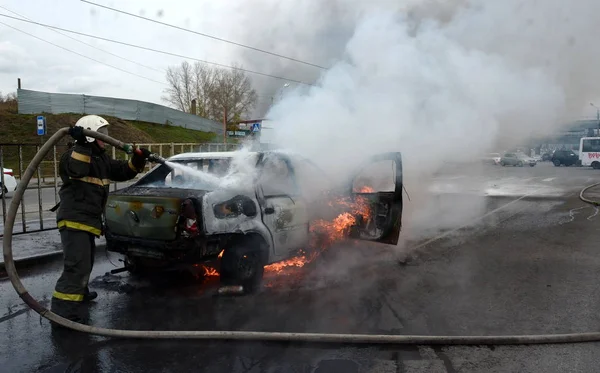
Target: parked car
171,217
514,159
547,156
565,157
10,183
492,158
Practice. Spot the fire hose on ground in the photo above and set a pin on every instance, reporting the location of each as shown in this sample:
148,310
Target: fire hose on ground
240,335
587,200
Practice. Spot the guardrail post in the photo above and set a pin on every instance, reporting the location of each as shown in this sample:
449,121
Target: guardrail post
114,156
172,149
4,189
39,188
160,149
24,227
55,177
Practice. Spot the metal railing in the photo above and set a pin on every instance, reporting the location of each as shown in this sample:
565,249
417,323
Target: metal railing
42,192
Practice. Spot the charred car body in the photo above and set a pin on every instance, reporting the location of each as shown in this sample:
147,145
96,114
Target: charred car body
260,215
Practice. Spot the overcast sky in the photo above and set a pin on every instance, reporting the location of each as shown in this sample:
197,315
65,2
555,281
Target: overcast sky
314,30
45,67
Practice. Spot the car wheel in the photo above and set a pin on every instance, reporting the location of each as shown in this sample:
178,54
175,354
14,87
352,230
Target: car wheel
138,267
556,163
532,164
502,164
595,165
3,191
242,264
520,164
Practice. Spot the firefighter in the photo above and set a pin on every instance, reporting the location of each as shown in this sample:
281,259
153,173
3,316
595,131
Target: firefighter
86,171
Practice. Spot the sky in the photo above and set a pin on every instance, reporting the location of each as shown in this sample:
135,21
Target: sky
45,67
312,31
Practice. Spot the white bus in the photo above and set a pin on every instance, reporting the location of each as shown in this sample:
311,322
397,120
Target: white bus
589,151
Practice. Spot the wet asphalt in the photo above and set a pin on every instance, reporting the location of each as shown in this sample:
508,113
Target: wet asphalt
530,267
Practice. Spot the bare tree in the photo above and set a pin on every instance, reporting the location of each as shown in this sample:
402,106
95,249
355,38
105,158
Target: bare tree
233,95
180,92
8,102
219,93
205,82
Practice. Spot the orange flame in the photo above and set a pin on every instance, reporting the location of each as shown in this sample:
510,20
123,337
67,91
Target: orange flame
327,232
367,189
221,253
278,267
208,271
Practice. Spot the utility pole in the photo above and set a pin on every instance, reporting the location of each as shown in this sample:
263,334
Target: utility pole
597,116
225,126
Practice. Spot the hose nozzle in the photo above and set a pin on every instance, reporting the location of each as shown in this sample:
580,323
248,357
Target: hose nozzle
153,157
156,158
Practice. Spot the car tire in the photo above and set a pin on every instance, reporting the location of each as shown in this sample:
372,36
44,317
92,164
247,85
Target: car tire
502,164
556,163
520,164
531,165
137,268
243,264
596,165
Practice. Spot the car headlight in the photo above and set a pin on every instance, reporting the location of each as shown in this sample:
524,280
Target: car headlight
235,207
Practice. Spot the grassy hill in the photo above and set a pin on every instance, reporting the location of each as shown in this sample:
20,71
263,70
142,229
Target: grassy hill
21,129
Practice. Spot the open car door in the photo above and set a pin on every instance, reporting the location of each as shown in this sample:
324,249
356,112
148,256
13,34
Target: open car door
378,184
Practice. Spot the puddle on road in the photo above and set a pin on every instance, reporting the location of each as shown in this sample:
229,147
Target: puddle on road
112,283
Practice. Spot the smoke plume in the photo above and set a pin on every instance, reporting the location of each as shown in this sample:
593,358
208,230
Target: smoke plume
439,81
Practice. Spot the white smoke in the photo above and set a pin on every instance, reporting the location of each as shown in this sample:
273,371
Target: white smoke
441,84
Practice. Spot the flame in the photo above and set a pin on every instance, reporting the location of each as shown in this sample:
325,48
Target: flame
367,189
298,262
208,271
325,233
221,253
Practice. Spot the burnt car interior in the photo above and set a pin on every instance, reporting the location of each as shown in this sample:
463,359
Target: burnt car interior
380,183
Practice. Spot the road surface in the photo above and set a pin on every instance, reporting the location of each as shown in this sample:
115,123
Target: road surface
529,266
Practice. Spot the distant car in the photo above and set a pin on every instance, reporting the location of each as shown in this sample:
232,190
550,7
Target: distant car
173,218
10,183
565,157
546,157
514,159
492,158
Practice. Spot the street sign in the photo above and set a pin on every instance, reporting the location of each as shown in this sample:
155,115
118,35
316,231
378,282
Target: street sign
256,127
41,125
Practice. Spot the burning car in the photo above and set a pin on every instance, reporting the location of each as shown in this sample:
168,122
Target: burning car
244,215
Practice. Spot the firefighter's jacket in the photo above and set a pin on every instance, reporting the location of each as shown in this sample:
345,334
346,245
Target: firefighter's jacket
86,173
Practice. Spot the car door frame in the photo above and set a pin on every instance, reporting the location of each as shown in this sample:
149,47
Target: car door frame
391,232
279,251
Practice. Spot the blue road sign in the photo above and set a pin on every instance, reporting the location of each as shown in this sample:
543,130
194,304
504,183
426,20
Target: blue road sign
256,127
41,125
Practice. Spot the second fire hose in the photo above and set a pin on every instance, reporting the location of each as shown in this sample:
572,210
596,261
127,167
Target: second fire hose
237,335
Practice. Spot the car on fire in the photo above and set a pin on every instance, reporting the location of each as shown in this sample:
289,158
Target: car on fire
242,211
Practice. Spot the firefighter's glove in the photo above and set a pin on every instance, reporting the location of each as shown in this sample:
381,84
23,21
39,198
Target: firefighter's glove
77,134
140,155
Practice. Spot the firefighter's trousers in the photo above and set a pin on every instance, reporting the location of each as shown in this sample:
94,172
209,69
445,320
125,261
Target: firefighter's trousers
78,250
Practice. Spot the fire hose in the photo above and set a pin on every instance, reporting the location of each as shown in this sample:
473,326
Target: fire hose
587,200
238,335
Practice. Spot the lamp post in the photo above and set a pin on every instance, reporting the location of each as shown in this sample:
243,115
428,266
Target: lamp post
597,116
280,91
